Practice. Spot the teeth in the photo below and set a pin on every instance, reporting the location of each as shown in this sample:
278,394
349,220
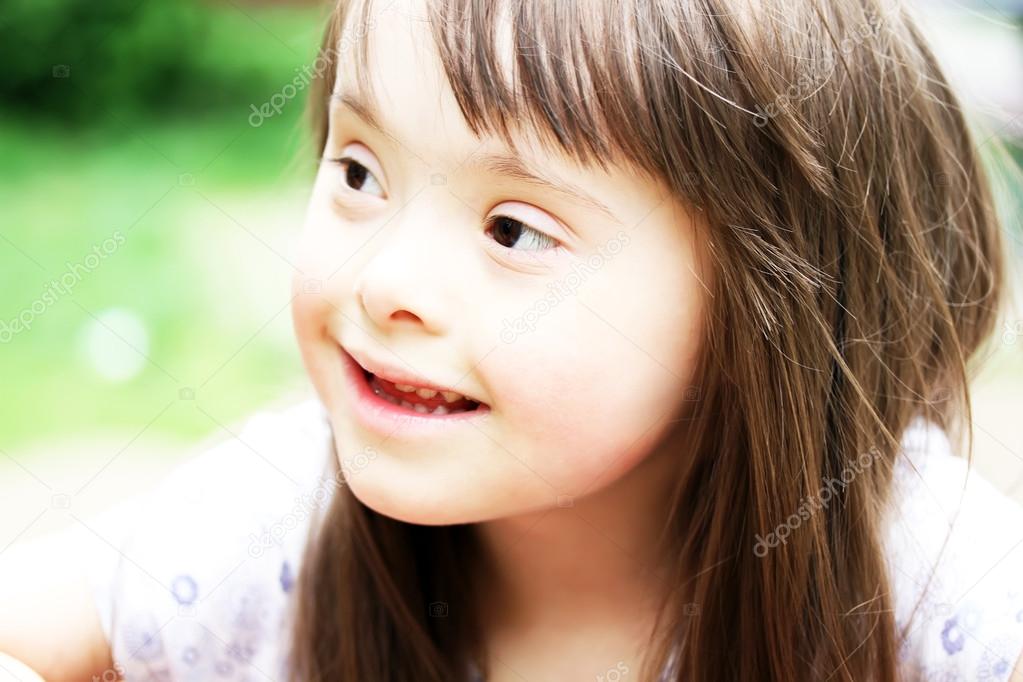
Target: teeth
421,409
386,396
427,393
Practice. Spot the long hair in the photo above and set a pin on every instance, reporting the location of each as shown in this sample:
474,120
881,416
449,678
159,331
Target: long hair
858,267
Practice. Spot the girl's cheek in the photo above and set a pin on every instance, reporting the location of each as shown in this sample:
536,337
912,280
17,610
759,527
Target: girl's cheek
309,322
578,401
322,243
589,387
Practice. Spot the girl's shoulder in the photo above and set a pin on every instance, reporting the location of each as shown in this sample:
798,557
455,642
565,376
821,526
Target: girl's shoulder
955,556
193,579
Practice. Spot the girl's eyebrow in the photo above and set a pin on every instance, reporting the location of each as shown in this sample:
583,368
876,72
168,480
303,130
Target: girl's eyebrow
505,165
513,167
361,108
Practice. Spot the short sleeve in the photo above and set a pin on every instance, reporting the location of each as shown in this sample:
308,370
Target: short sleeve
193,579
969,624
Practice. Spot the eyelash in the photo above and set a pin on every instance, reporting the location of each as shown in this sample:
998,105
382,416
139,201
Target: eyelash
491,222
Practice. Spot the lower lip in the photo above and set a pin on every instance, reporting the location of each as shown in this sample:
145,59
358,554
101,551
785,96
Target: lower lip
384,417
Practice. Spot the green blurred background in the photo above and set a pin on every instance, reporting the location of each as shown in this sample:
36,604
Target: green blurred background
134,177
131,165
134,116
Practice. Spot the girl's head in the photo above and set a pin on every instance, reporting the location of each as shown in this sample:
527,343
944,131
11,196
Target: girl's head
694,254
565,297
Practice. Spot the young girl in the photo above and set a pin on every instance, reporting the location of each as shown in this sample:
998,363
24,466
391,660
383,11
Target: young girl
639,334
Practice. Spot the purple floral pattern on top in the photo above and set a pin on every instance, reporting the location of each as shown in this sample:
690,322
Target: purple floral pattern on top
951,638
286,579
185,590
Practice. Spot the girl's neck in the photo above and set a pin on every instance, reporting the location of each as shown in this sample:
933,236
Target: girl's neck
595,562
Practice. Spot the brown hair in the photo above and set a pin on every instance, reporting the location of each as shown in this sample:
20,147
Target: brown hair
858,267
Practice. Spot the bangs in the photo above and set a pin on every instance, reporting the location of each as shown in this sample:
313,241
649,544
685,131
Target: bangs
672,91
596,82
532,68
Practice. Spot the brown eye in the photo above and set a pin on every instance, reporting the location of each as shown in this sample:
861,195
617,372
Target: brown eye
356,174
509,232
358,177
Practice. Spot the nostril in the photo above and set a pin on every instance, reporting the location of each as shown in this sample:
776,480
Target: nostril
405,315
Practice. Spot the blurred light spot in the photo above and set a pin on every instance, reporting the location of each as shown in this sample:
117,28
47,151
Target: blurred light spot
116,344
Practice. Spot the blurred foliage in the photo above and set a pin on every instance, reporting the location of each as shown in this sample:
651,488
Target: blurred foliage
147,134
202,270
73,59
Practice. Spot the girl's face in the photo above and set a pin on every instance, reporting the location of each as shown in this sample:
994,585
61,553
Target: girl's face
572,312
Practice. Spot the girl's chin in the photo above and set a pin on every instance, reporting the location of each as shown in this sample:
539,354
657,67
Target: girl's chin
395,505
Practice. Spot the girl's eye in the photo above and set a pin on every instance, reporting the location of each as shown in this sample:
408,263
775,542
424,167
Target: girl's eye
358,177
509,232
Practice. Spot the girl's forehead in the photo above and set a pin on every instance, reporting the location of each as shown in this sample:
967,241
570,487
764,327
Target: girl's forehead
401,91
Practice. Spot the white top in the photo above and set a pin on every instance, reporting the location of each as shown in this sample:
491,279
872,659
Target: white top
193,580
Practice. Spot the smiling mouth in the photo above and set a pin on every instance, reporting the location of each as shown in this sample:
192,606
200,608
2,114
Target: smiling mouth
419,400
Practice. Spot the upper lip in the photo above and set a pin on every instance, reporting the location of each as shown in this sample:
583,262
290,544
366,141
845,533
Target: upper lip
398,376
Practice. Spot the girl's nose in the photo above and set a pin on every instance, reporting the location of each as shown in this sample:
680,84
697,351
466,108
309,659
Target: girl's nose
403,282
